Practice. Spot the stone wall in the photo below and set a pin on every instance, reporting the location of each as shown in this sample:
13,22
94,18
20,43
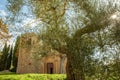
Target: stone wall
27,63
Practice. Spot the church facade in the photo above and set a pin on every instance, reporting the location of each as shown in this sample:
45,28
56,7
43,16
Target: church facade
30,62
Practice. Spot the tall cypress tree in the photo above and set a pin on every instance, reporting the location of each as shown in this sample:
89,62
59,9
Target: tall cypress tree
3,60
9,59
14,57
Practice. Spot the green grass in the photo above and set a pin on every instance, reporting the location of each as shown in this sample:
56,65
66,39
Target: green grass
32,77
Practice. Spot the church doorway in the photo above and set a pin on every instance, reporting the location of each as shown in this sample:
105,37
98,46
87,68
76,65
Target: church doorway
50,68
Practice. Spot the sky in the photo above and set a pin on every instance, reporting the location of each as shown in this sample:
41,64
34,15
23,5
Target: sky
18,28
2,4
22,27
14,30
26,23
3,10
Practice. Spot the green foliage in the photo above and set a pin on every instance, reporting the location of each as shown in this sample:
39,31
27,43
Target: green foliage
4,58
79,46
3,30
55,36
14,57
33,77
51,12
14,6
9,59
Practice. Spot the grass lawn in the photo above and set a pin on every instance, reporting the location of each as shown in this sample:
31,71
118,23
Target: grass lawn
12,76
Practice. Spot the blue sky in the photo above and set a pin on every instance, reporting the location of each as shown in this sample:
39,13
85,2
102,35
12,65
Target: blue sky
3,12
3,9
2,4
3,15
17,28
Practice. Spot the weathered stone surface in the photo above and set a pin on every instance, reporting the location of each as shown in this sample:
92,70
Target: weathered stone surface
27,63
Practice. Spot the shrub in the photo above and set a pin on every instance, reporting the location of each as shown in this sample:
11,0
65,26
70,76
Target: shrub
33,77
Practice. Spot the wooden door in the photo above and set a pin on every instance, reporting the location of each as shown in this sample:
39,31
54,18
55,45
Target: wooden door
50,68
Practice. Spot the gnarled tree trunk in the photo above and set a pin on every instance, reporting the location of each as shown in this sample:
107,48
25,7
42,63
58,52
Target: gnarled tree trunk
74,70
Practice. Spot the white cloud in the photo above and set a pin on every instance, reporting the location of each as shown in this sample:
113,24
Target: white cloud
31,23
3,13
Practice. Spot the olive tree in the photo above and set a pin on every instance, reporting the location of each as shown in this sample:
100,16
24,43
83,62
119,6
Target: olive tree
94,16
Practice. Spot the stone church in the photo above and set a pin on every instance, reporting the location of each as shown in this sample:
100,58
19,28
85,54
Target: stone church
31,62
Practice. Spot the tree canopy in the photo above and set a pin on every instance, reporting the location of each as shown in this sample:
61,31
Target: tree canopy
3,30
76,28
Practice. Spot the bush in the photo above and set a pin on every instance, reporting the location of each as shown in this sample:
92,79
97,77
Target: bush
33,77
